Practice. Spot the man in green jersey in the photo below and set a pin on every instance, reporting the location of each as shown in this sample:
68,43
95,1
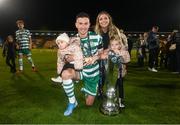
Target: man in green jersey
91,45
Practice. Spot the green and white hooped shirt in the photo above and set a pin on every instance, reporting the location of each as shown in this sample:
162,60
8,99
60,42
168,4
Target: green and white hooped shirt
90,46
22,37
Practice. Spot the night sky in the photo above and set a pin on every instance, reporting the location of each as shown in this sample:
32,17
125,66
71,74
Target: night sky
131,15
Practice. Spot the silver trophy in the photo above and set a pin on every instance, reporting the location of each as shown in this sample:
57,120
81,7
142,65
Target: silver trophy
110,105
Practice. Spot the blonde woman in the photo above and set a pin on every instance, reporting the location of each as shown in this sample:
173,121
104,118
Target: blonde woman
105,27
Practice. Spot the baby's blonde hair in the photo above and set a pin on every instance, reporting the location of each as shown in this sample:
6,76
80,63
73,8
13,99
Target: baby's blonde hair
116,38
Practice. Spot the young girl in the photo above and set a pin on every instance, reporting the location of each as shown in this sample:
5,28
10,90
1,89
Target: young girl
9,51
118,55
68,47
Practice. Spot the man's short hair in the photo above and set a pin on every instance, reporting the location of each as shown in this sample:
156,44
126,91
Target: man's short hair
81,15
19,22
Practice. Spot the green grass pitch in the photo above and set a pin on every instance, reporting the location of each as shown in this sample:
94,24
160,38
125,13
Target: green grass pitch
30,97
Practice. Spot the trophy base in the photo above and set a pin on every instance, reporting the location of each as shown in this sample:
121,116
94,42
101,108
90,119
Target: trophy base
110,111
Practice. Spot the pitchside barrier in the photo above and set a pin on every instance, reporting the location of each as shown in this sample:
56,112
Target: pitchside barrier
46,39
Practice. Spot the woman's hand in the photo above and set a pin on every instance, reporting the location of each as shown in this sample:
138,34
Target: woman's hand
103,56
